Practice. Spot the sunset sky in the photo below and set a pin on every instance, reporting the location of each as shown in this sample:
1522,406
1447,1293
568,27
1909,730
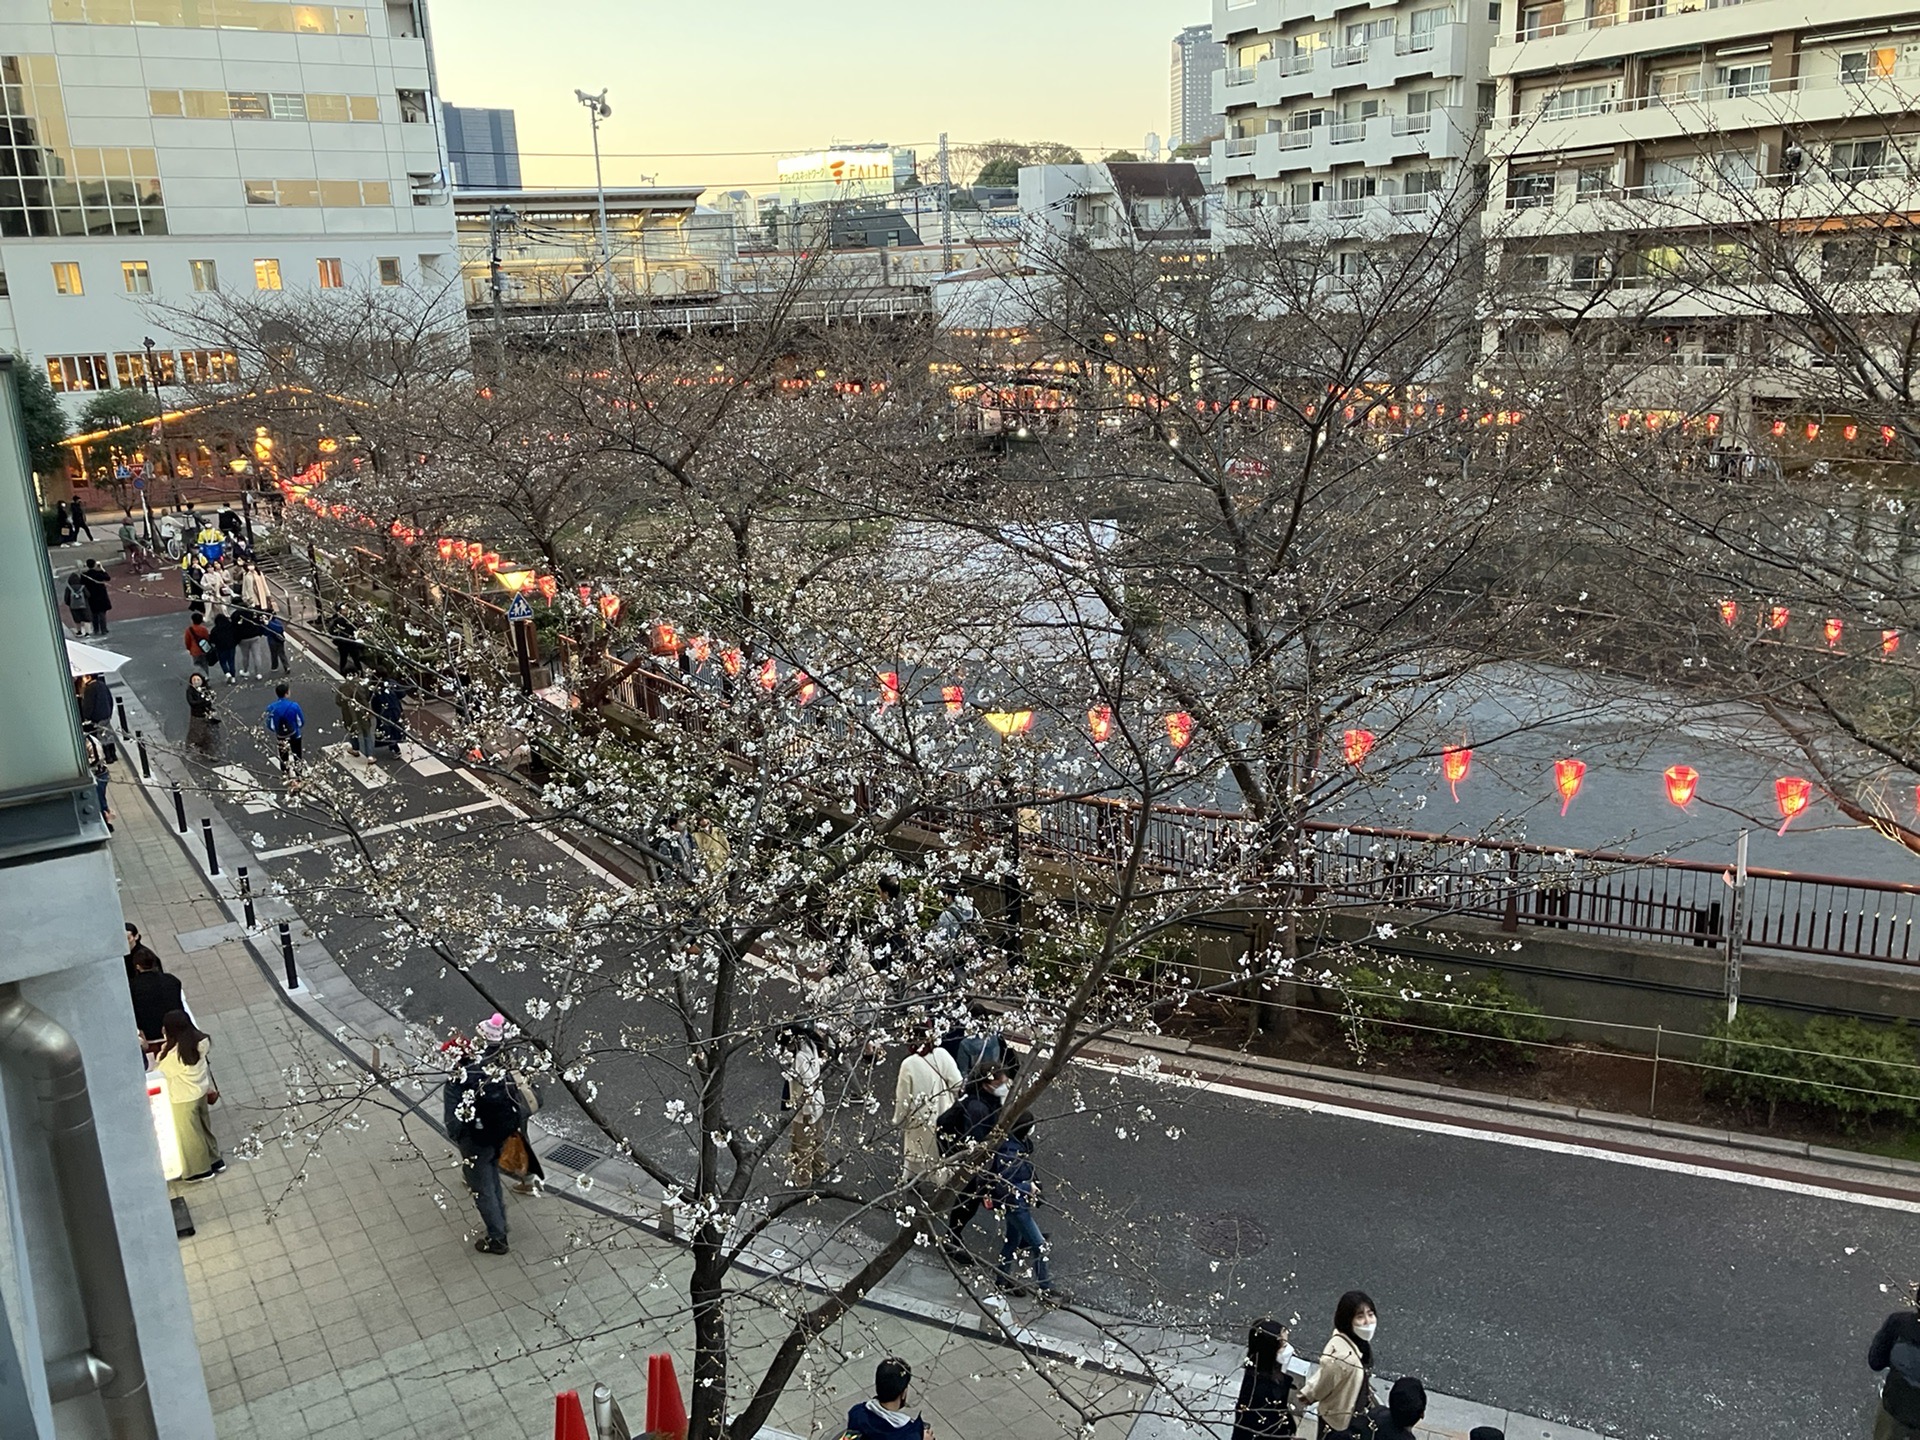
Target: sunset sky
709,92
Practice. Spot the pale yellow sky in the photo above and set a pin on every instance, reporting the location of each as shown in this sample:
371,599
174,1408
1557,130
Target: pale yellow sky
687,80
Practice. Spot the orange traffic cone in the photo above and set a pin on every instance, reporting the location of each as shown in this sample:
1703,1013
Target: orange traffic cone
569,1420
666,1410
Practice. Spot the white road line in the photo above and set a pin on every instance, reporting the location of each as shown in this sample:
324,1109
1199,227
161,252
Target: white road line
410,823
367,775
254,797
1522,1142
585,862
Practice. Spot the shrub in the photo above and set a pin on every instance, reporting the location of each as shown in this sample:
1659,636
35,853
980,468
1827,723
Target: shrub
1845,1070
1477,1021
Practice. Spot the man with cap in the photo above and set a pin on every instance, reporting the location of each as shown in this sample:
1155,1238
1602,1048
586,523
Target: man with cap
885,1416
1406,1407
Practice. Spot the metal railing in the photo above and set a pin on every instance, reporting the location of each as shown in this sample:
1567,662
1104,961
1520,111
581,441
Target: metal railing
1347,132
725,314
1241,144
1237,75
1413,124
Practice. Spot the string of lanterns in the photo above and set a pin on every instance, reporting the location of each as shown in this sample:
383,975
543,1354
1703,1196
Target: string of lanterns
1832,629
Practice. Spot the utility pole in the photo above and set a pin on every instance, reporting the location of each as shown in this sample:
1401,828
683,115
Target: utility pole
1736,925
599,109
498,219
946,210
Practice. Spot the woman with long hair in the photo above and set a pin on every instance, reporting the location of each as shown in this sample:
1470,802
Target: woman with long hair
1261,1412
182,1063
1341,1384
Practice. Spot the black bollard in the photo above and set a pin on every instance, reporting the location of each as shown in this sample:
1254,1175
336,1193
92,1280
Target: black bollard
206,834
179,808
286,954
246,897
146,766
120,705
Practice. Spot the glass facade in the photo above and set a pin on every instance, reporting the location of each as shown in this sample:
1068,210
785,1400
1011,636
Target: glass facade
273,15
49,187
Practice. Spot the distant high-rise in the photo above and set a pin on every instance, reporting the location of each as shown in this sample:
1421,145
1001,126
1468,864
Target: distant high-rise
1196,55
483,148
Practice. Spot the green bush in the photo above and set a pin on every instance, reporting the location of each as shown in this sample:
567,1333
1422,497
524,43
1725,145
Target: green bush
1846,1070
1477,1021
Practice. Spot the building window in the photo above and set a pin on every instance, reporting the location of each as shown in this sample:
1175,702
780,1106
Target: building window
209,366
274,16
413,107
66,278
307,194
331,276
1859,66
287,107
136,277
131,368
262,192
245,105
389,269
1591,181
76,374
206,278
266,274
1526,191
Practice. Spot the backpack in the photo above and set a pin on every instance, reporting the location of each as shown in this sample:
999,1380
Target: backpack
496,1112
1900,1395
283,726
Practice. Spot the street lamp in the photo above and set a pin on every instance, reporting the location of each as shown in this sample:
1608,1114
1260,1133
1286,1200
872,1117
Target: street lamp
599,109
159,433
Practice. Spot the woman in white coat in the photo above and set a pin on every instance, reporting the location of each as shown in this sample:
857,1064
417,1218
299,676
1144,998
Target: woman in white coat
929,1083
1341,1384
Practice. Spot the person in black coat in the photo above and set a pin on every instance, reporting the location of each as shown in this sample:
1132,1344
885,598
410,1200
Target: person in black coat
1261,1412
226,638
94,579
156,995
968,1121
1406,1407
1895,1348
77,518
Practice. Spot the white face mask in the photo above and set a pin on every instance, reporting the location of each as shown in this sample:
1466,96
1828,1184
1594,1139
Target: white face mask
1365,1328
1000,1091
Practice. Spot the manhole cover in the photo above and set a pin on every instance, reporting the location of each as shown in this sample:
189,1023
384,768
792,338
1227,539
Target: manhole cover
1228,1236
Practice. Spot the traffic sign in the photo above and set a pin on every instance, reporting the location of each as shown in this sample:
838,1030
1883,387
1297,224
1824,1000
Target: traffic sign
519,609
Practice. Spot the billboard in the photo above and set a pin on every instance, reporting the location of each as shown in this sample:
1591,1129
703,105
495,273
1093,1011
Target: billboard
856,173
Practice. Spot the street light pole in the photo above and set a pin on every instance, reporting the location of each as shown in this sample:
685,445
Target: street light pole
599,109
159,435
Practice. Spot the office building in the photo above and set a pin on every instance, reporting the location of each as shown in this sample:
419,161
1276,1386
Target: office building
245,149
483,149
1349,121
1192,116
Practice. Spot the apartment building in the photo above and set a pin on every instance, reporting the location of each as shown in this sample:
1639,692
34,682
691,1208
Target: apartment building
160,153
1349,116
1120,203
1192,116
1646,150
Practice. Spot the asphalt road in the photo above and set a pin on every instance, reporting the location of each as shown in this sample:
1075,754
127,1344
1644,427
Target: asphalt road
1635,1301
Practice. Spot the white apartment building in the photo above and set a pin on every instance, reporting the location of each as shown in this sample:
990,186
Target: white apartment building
1116,204
1349,116
160,151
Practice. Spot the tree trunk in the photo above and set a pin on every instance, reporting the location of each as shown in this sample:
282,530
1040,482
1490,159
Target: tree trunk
707,1406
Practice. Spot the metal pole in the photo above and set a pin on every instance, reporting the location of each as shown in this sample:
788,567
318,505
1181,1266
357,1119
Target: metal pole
246,897
159,418
1653,1096
206,834
946,211
286,955
120,705
1736,926
146,766
179,808
495,219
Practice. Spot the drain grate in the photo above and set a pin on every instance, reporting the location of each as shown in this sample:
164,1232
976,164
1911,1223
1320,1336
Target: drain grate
1229,1236
573,1157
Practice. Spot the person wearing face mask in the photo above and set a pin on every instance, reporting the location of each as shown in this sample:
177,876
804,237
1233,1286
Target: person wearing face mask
1342,1383
1261,1412
966,1124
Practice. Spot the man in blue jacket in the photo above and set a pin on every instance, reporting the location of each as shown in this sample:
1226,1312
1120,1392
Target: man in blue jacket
885,1416
285,721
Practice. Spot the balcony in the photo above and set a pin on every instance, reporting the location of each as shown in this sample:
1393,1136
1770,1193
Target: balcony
1380,65
1419,204
1293,139
1372,215
1342,56
1235,76
1655,29
1239,145
1351,208
1347,132
1413,124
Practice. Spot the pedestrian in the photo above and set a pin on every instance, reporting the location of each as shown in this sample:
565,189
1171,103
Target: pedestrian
805,1068
1406,1407
230,523
74,597
137,951
155,994
253,587
965,1124
518,1161
481,1115
929,1083
345,639
183,1064
94,580
96,700
389,705
130,548
884,1417
252,637
1013,1190
102,771
975,1041
1261,1412
215,587
276,644
77,518
62,523
890,942
202,715
354,699
1341,1383
285,721
198,641
226,640
1896,1350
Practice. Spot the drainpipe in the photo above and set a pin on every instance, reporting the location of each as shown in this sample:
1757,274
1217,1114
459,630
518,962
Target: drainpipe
31,1042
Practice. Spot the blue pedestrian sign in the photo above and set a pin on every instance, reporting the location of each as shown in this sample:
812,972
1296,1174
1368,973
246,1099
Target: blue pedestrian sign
519,609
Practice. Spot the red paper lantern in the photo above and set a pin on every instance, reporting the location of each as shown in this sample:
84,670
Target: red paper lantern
1889,641
610,608
475,552
1356,745
549,588
492,562
730,661
1179,730
1793,795
698,649
1455,761
1682,780
1729,613
769,675
1851,432
1886,434
445,546
666,639
1832,630
804,687
1100,723
955,697
1813,430
1568,777
1777,617
889,688
1779,428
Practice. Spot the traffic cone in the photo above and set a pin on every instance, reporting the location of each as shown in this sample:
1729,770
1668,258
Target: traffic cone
666,1410
569,1420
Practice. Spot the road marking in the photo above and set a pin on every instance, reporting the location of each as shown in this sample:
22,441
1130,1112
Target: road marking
541,827
368,774
410,823
421,761
238,782
1522,1142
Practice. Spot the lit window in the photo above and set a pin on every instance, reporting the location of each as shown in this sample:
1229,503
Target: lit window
331,277
136,277
66,277
266,274
243,106
79,373
206,277
389,270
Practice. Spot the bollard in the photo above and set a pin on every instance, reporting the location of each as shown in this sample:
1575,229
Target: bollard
120,705
146,766
179,808
246,897
206,834
286,954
